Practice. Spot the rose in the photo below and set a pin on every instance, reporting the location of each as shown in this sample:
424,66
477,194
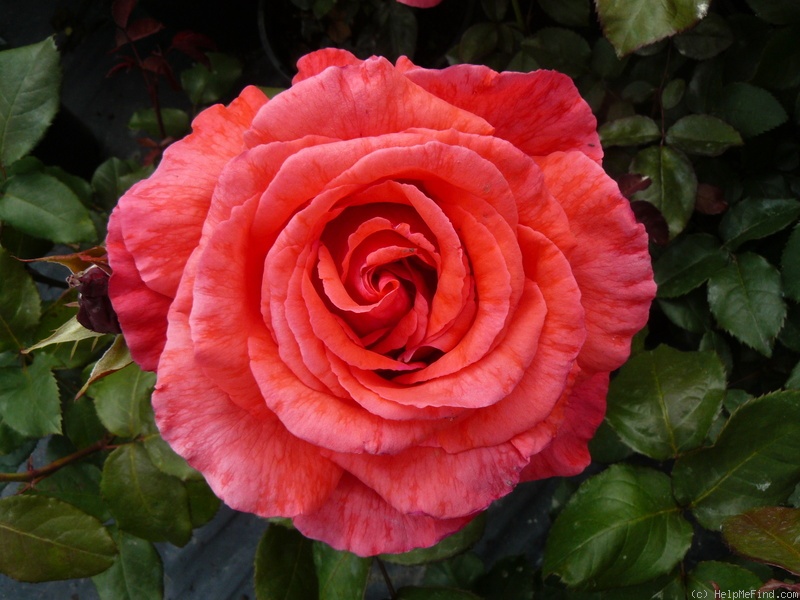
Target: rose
378,301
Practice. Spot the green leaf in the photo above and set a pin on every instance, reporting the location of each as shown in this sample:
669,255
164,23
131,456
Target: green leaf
434,593
629,131
572,13
559,49
779,67
689,312
673,188
662,403
114,177
673,93
165,457
459,572
477,42
206,85
770,535
793,383
687,264
710,578
705,86
522,62
511,578
495,9
81,424
145,501
29,401
709,37
605,62
341,575
284,566
449,546
70,331
402,26
29,80
44,539
631,24
122,401
203,504
78,484
750,109
620,528
176,122
606,446
746,299
42,206
115,358
753,463
667,587
703,134
756,218
137,574
20,307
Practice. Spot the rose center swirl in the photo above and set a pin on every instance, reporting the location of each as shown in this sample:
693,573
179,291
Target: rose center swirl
378,273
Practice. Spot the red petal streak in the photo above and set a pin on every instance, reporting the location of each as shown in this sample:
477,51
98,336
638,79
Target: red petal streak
539,112
245,454
358,101
583,411
325,420
432,482
145,337
611,262
315,63
561,338
358,520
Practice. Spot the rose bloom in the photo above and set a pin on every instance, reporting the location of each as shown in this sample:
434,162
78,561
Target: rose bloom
380,300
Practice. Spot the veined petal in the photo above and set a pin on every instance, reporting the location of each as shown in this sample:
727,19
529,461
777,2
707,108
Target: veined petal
357,519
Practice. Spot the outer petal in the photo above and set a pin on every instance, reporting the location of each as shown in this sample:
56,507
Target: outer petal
357,101
581,413
433,482
161,218
358,520
611,262
315,63
145,337
248,458
539,112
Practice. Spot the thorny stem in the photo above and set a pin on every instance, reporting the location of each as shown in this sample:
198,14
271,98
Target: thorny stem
386,578
34,474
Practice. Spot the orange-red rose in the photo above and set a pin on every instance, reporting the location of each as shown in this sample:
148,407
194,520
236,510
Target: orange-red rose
378,301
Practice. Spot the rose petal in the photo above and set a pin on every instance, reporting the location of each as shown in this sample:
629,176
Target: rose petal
560,340
433,482
315,63
561,119
583,411
325,420
358,520
145,337
611,262
245,454
357,101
